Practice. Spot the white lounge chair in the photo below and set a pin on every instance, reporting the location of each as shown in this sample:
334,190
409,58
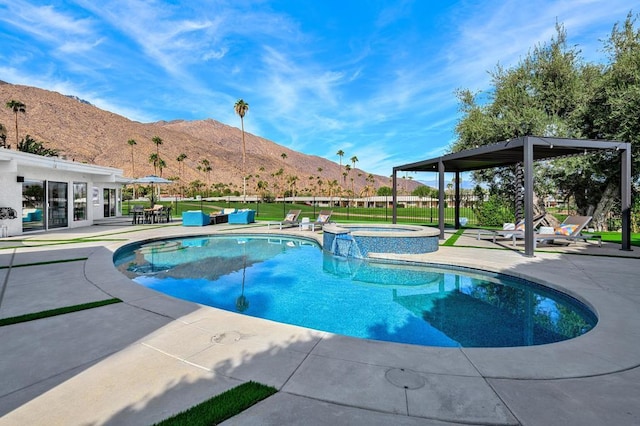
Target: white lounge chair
291,219
571,230
324,217
511,231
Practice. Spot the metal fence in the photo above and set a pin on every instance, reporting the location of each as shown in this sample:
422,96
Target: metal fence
415,210
411,209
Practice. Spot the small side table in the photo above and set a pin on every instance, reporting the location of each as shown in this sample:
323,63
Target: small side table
219,218
546,230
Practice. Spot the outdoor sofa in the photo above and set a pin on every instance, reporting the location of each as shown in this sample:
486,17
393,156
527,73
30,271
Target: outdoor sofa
242,217
195,218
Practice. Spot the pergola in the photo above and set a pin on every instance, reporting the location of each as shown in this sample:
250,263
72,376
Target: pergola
525,150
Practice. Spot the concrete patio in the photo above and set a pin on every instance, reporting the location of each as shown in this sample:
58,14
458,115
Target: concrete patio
141,361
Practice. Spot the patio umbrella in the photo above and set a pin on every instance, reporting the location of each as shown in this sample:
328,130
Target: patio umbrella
152,179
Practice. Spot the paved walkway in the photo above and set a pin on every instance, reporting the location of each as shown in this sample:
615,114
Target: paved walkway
138,362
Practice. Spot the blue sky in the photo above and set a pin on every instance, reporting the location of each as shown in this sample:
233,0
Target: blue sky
375,79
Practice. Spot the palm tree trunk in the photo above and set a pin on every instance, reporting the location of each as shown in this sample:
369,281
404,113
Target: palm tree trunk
16,129
244,172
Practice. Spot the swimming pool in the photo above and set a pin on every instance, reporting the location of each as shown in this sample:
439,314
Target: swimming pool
291,280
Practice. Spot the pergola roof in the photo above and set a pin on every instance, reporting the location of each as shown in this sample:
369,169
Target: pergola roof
525,150
510,152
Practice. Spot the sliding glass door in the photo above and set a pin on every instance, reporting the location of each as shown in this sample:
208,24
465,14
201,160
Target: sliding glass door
58,204
32,205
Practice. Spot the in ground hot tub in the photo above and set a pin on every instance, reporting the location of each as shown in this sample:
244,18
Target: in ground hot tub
358,240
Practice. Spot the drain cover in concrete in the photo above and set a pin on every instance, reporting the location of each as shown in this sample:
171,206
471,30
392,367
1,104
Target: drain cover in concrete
405,379
226,338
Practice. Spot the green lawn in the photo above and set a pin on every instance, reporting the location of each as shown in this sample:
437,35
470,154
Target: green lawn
277,211
616,237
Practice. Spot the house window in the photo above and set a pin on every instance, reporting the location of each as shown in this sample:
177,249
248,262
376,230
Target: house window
79,201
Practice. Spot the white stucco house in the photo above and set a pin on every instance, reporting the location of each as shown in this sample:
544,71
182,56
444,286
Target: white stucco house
40,193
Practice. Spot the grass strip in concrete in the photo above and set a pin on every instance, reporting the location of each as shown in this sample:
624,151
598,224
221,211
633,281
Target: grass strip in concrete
50,262
451,241
221,407
57,311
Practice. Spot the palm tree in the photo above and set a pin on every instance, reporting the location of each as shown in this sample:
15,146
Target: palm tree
262,187
291,180
371,180
161,165
131,143
180,160
158,141
154,159
158,163
279,175
205,167
17,107
340,154
3,135
354,160
241,108
332,184
284,156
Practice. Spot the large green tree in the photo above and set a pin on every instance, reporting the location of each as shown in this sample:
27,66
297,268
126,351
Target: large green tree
553,92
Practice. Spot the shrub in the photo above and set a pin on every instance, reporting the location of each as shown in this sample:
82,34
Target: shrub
494,212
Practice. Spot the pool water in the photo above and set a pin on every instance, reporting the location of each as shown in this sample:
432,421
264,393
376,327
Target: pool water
291,280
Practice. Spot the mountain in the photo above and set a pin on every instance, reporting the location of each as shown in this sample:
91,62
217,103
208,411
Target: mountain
85,133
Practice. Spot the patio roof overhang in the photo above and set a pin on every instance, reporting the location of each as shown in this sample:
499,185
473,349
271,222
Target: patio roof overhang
510,152
525,150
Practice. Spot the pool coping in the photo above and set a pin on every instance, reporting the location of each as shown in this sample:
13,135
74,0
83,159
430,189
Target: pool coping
607,358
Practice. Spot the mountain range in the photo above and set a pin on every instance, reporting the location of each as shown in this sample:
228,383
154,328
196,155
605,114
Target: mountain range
85,133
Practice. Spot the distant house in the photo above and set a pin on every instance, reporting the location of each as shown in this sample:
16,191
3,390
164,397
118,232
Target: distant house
40,193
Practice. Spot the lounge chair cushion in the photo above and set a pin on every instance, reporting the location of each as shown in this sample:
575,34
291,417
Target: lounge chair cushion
565,229
290,217
323,218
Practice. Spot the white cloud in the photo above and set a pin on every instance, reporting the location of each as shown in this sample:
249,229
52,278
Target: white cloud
45,22
74,47
217,54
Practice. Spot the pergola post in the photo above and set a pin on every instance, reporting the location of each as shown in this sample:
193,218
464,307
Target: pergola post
625,196
528,196
441,197
394,198
457,201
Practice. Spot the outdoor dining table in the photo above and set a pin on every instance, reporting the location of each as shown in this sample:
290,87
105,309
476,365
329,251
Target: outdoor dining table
138,216
152,215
